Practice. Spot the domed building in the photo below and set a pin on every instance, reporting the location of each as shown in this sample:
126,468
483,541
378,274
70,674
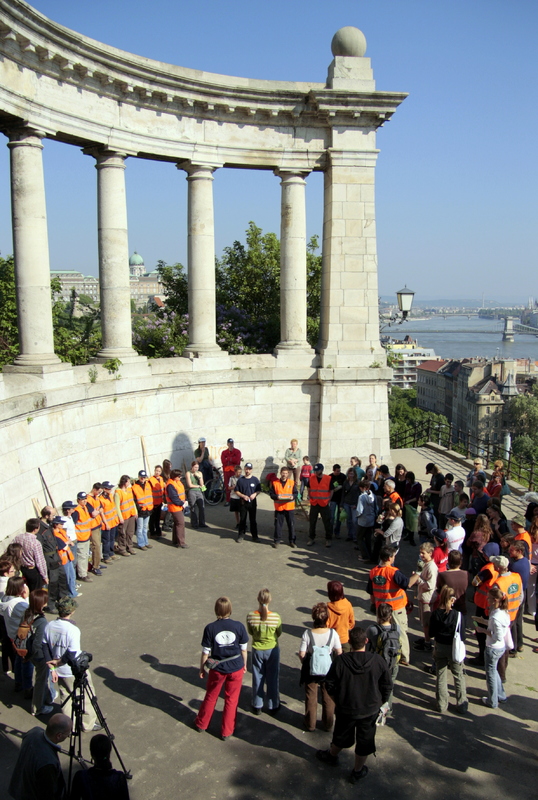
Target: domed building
136,266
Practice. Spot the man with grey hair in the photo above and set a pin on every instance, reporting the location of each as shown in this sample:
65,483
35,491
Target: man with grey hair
38,774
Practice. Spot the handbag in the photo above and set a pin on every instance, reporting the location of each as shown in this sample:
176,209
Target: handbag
458,647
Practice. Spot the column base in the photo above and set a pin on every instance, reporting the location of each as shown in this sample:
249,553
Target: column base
37,369
300,355
125,354
38,360
201,350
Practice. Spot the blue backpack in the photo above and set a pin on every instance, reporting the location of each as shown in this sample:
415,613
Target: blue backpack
320,660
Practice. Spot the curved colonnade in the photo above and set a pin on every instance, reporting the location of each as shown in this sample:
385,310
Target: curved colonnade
57,84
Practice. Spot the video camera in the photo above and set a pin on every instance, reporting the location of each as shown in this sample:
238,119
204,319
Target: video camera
79,664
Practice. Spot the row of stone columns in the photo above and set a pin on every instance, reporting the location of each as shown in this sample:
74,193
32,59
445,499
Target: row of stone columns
32,268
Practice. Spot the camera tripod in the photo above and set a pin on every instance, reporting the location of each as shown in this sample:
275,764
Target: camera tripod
81,690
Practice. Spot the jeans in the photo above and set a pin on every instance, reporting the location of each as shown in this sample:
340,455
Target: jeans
142,530
493,679
43,691
70,576
265,671
443,663
351,522
24,671
335,518
107,541
304,485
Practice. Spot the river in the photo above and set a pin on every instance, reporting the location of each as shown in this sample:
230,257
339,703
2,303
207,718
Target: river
459,337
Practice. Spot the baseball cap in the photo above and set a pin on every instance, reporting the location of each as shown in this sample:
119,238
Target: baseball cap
499,561
107,485
82,496
318,467
66,605
452,515
439,533
58,521
229,441
430,466
142,474
203,439
249,465
69,504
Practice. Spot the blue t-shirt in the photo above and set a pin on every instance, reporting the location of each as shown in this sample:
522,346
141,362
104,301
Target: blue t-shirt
523,567
224,638
248,486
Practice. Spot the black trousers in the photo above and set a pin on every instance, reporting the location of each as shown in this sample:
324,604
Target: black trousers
248,510
325,513
32,577
289,517
57,584
154,524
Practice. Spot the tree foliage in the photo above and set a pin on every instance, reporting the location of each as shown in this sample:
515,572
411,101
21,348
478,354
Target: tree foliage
404,414
9,331
163,333
77,327
522,422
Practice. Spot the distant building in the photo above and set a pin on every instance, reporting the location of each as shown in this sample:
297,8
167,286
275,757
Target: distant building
472,392
143,285
408,355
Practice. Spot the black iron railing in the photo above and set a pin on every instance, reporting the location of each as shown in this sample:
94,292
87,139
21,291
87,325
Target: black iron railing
464,442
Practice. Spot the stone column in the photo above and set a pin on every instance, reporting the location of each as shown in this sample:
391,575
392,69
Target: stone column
31,250
114,285
293,310
201,262
349,330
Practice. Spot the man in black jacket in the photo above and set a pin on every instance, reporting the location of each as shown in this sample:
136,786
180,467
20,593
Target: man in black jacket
57,586
38,774
360,685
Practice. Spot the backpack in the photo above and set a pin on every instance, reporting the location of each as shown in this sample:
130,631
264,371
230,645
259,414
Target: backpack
23,641
320,660
387,644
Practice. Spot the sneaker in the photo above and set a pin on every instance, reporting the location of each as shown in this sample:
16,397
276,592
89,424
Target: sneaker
184,546
360,558
44,710
404,662
97,572
275,545
125,554
486,702
310,542
422,645
240,538
86,579
462,708
356,776
102,565
149,546
97,727
256,711
144,547
77,585
292,544
325,755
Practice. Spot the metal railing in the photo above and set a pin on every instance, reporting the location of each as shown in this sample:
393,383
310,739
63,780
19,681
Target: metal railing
464,442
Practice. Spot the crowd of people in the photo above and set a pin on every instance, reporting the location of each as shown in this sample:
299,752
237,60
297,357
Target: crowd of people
466,544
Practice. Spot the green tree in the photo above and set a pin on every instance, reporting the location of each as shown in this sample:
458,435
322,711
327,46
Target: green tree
77,339
522,415
175,283
9,332
164,333
313,290
404,414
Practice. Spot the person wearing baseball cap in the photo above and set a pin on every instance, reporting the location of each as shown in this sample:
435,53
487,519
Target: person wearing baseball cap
247,489
455,532
201,454
230,459
143,497
83,517
109,522
320,494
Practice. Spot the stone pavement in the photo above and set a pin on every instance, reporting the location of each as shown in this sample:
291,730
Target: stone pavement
143,622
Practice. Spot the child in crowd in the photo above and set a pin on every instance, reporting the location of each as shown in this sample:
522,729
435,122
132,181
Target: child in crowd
306,472
426,580
235,500
446,499
459,487
384,639
463,502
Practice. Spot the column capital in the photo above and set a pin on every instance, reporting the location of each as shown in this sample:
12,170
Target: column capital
25,136
105,157
198,171
292,175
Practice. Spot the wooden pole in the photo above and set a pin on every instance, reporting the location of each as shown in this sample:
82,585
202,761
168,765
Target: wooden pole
145,455
37,510
46,490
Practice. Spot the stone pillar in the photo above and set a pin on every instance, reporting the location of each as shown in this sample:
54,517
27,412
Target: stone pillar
31,250
201,262
114,284
349,330
293,311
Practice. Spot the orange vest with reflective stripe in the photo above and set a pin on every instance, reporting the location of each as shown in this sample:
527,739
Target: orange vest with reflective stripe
510,584
284,493
95,502
65,553
84,525
157,488
127,503
385,588
481,594
319,492
109,512
180,489
144,496
394,497
524,537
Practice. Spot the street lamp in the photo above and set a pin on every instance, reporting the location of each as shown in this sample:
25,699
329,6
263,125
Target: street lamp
405,301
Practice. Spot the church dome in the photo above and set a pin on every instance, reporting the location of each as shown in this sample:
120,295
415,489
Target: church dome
136,260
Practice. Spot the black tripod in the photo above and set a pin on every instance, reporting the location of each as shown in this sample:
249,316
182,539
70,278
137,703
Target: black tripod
81,689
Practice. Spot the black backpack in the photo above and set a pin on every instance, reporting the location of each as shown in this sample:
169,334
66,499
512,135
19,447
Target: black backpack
387,643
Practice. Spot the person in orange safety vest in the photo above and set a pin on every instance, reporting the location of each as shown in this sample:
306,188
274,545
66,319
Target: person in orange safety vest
319,495
283,492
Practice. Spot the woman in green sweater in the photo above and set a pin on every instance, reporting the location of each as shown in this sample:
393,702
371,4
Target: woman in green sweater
265,628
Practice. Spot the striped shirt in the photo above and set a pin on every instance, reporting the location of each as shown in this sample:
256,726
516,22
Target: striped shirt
264,633
32,553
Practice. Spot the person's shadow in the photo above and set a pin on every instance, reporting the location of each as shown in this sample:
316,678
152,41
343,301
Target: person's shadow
146,694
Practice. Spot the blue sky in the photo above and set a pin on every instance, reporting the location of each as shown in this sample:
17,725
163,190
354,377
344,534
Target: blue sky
458,168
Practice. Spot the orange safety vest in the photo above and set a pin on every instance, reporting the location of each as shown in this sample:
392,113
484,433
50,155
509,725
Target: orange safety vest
144,496
95,502
481,593
65,553
510,584
385,588
157,488
180,489
110,515
284,492
524,537
84,525
394,497
319,492
127,503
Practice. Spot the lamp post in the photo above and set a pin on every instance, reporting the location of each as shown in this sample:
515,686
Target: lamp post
405,301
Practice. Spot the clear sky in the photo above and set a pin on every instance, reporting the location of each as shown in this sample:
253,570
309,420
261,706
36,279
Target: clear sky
458,170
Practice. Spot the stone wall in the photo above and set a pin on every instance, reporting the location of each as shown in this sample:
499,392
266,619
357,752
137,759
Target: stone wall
79,432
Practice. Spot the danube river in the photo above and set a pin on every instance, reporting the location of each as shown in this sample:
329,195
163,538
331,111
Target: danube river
459,337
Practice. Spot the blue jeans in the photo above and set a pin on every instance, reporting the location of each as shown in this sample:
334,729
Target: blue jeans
142,531
69,570
496,691
351,522
107,543
265,670
24,671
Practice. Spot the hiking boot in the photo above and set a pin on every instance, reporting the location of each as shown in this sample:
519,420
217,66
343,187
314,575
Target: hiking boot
462,708
325,755
86,580
292,544
356,776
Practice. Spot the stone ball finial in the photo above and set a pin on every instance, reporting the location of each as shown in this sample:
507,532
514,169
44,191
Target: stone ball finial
349,41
